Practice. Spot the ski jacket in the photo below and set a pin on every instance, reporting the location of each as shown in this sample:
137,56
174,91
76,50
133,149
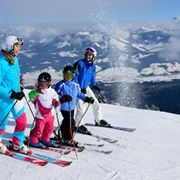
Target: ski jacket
44,102
69,88
9,78
85,74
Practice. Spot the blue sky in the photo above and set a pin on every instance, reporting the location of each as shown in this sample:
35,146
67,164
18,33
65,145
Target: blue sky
57,11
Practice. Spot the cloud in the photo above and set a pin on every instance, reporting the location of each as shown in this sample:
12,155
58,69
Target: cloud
171,50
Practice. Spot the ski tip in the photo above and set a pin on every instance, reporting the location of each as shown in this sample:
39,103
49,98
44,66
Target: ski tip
42,163
113,141
81,149
66,152
63,163
100,145
108,152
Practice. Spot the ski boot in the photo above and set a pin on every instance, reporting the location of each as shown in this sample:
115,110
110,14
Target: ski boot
82,129
3,148
70,143
23,149
37,145
102,123
50,144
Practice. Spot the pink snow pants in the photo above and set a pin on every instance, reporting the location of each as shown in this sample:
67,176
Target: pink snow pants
43,129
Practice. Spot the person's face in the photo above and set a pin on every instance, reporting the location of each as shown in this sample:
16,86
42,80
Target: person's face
68,76
17,48
89,56
44,85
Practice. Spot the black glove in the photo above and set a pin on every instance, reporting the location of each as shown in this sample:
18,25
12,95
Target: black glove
83,91
97,89
66,98
17,95
89,100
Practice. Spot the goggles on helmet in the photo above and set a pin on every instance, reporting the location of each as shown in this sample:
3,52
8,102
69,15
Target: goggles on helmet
20,41
90,50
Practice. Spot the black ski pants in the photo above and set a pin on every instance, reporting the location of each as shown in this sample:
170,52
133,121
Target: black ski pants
67,123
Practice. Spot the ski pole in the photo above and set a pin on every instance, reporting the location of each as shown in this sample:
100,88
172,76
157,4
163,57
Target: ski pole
32,115
29,107
77,127
71,133
8,112
59,131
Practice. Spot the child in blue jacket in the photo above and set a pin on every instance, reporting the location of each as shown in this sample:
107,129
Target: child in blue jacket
69,92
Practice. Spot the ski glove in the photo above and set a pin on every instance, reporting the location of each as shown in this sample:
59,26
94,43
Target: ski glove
66,98
83,91
97,89
16,95
89,100
33,94
55,103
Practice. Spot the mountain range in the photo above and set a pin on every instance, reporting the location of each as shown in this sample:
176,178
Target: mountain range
128,54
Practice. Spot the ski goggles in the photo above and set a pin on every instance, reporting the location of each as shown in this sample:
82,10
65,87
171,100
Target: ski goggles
19,41
68,76
90,50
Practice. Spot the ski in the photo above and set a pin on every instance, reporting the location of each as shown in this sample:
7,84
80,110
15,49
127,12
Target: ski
114,127
103,138
62,163
25,158
99,137
57,149
71,148
88,148
81,144
92,145
68,147
63,151
99,151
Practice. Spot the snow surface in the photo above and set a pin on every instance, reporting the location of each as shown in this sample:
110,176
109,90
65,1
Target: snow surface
151,152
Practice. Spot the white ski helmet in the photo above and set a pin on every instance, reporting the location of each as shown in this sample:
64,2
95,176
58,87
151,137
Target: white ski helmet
92,51
7,45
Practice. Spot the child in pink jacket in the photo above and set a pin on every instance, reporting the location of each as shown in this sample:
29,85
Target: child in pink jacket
45,99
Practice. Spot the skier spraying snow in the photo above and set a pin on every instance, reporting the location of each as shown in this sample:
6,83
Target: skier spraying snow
85,76
69,92
45,99
11,94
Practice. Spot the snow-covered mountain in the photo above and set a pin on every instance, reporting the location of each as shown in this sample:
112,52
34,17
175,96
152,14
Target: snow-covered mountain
151,152
126,52
129,55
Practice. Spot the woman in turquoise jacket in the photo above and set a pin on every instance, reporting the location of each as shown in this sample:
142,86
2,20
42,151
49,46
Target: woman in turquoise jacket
11,94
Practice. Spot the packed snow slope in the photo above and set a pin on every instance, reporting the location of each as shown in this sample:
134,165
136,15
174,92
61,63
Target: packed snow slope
151,152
